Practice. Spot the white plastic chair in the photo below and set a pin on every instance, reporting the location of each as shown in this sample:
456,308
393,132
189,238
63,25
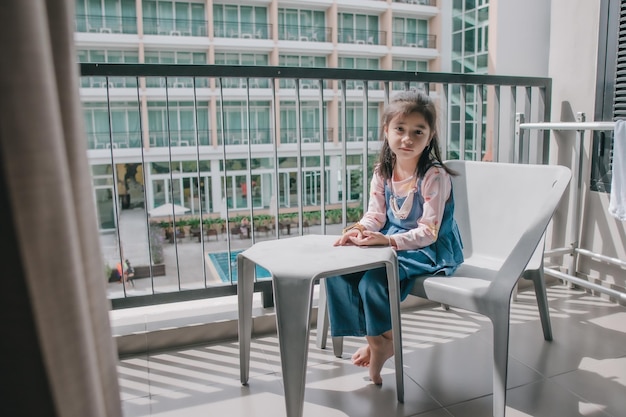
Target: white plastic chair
502,211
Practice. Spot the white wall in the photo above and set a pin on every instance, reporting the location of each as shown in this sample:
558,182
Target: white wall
519,45
572,67
519,34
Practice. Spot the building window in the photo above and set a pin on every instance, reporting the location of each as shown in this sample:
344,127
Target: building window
359,28
235,58
470,29
610,89
355,121
301,61
410,32
108,56
173,18
238,21
309,121
359,63
180,128
175,57
123,130
106,16
236,127
412,66
301,25
470,37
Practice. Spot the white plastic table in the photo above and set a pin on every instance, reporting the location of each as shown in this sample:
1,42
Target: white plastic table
296,264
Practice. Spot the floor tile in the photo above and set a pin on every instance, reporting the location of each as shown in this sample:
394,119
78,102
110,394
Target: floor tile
599,381
447,369
539,399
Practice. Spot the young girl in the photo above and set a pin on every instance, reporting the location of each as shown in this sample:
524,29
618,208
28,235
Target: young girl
411,209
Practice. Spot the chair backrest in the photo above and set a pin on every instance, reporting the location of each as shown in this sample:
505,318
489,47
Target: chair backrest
500,206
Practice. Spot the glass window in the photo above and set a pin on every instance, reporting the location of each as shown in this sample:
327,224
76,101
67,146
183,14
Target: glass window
358,28
470,43
410,32
234,21
243,59
175,57
236,122
178,128
611,87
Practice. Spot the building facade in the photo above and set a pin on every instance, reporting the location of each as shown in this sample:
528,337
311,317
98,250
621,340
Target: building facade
148,120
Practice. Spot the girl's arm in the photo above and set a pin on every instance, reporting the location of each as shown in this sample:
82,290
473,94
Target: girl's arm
436,189
376,216
373,220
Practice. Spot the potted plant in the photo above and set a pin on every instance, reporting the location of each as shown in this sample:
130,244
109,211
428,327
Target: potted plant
194,227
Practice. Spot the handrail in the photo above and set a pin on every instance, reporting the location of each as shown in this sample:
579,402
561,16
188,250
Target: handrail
576,197
569,125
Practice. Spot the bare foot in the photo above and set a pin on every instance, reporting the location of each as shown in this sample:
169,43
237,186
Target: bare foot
381,349
362,356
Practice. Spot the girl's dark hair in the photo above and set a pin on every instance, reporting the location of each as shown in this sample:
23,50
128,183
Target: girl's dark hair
405,103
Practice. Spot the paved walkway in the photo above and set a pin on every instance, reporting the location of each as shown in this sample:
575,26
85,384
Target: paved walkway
187,265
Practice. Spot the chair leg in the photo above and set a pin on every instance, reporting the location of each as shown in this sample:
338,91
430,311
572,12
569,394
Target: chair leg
500,321
322,317
542,301
323,324
293,307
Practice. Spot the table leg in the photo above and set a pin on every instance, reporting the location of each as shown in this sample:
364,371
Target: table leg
245,290
394,302
292,298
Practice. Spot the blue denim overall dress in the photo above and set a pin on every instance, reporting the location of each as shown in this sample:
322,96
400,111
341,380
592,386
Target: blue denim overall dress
358,304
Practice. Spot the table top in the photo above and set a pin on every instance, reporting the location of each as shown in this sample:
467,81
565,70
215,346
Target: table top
314,256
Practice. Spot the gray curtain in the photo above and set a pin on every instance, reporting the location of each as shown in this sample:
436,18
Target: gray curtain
57,356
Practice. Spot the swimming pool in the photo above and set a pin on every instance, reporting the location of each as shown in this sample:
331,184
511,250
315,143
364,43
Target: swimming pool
220,260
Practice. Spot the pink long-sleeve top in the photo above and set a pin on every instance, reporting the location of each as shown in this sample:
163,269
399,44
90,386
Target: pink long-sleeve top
436,188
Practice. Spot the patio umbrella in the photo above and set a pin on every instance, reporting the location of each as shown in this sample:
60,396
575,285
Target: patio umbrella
168,209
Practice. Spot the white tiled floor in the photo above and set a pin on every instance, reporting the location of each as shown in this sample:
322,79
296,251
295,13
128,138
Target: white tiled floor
447,357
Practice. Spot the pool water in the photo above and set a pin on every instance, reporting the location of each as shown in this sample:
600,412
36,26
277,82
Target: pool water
220,261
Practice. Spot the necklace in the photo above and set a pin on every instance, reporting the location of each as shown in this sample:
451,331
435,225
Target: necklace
403,211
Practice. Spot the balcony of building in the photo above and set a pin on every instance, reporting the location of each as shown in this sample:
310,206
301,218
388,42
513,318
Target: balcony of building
304,172
304,33
414,40
362,36
175,324
417,2
99,23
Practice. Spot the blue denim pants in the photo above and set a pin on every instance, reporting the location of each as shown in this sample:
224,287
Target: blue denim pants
358,304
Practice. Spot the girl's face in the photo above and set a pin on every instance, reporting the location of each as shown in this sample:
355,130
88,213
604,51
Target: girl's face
408,136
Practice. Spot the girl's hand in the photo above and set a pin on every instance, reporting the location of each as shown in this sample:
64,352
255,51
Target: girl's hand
369,238
346,238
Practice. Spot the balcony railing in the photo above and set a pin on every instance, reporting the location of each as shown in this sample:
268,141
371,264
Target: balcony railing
242,30
362,36
294,185
174,27
414,40
177,138
92,23
420,2
239,136
304,33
